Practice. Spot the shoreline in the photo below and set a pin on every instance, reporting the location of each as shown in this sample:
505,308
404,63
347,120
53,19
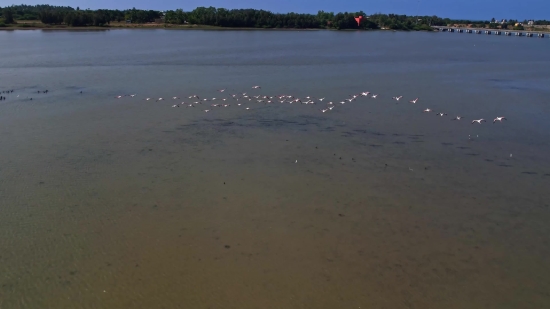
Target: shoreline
174,28
28,25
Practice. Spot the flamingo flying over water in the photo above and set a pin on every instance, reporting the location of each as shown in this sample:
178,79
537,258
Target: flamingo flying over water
499,119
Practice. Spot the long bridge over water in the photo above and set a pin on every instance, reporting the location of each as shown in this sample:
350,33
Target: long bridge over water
530,34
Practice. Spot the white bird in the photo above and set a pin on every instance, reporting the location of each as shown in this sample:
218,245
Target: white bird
175,105
457,118
321,99
160,99
441,114
175,98
147,99
349,100
374,96
414,101
119,96
499,119
324,110
365,93
247,108
132,95
330,103
221,90
256,87
342,102
397,98
478,121
206,110
330,107
427,110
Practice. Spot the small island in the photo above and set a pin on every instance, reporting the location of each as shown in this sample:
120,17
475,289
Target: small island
61,17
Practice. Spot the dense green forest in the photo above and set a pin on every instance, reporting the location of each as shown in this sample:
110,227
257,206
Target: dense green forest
56,15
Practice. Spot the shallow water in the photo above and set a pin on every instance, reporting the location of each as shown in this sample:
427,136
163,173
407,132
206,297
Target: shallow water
108,203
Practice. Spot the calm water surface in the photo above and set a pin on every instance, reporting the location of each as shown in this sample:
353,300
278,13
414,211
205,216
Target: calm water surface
129,203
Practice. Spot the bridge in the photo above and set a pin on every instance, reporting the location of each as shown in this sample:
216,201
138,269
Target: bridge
529,34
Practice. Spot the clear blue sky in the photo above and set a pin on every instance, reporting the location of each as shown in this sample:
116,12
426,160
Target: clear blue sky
468,9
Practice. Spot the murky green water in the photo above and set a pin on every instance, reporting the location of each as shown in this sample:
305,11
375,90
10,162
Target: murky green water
128,203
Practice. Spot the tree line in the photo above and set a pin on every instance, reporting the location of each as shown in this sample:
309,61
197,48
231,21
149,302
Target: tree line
55,15
264,19
249,18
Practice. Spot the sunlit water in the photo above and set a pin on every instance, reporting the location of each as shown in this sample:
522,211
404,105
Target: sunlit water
128,203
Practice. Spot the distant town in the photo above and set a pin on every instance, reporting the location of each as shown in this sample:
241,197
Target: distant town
48,16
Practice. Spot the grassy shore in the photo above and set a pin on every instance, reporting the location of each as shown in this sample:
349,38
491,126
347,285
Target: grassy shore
34,24
37,25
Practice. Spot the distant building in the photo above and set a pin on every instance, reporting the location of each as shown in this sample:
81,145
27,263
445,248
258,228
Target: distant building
503,21
530,23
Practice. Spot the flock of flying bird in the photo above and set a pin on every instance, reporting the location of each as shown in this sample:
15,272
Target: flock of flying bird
240,99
